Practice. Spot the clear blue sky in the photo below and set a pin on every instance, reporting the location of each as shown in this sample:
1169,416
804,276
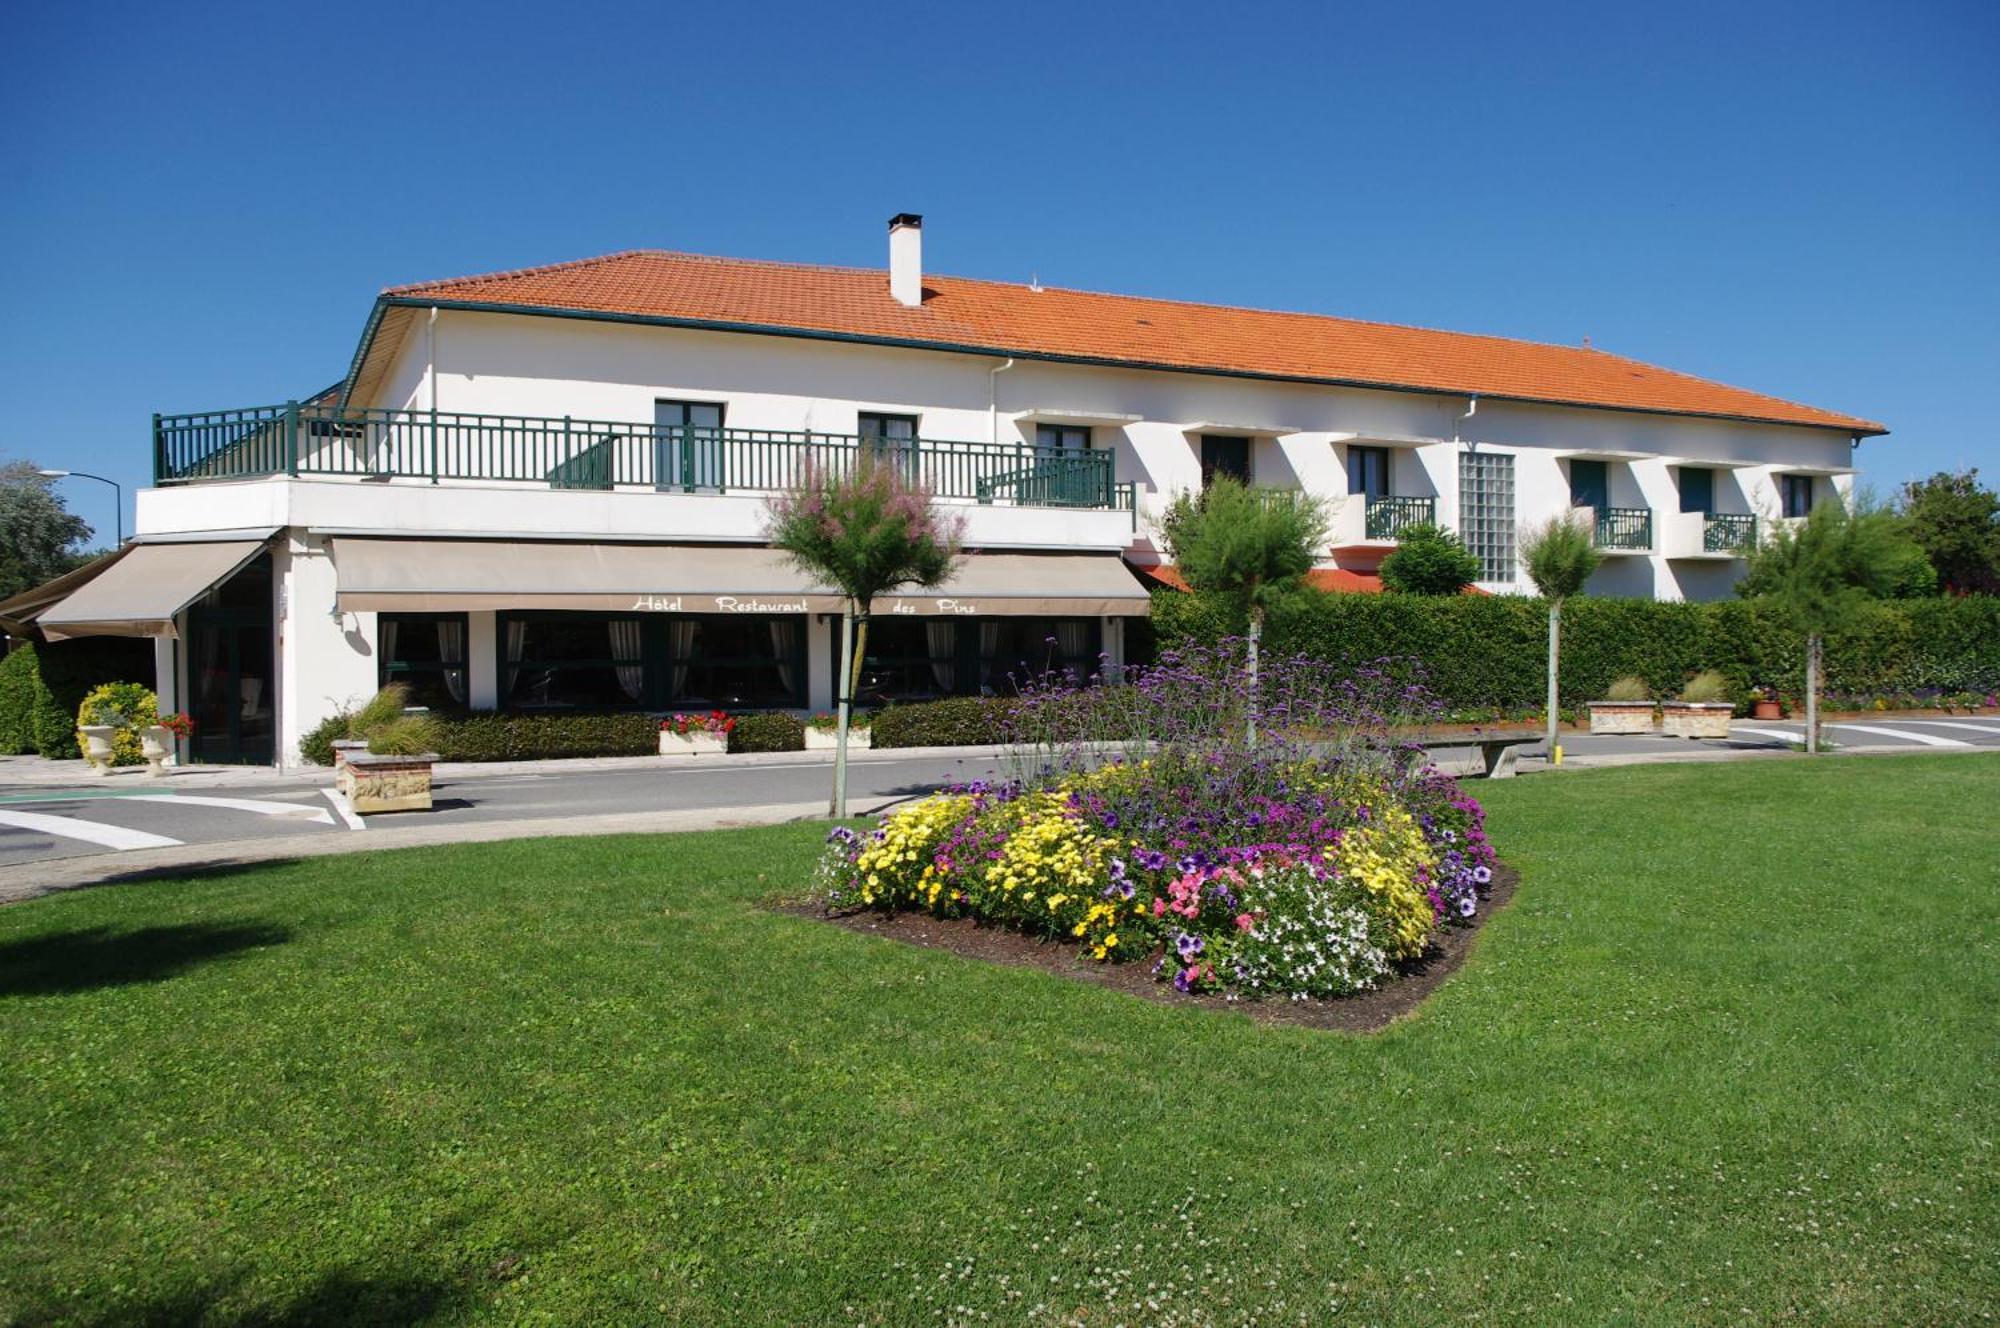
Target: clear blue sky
200,202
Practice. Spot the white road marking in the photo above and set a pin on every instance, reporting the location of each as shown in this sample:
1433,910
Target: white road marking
345,810
90,832
1990,730
1927,739
1779,734
318,815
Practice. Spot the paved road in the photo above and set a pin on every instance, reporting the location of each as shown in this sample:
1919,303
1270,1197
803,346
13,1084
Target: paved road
130,813
47,824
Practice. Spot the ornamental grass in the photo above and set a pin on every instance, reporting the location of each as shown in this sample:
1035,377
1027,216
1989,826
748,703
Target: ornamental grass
1138,824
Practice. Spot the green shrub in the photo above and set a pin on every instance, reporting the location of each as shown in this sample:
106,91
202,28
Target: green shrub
381,709
502,737
405,735
316,747
1628,688
69,670
1429,560
20,684
958,721
126,706
1708,685
774,732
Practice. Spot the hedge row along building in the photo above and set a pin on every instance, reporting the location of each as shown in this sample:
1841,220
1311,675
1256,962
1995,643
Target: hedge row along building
545,488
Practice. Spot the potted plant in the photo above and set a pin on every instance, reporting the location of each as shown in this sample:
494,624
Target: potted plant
1764,703
822,732
1627,707
394,774
159,742
109,721
385,707
1702,711
692,735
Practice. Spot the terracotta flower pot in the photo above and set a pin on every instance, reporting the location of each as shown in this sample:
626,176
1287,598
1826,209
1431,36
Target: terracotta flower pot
1767,710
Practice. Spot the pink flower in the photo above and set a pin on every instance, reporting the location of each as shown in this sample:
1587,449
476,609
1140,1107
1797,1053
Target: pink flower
1159,906
1244,922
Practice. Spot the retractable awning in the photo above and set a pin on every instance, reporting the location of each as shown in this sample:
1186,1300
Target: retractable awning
392,575
18,612
141,593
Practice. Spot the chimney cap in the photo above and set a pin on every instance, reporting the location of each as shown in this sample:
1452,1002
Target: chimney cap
907,219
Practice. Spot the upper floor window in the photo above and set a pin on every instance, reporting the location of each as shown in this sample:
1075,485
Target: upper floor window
1062,437
886,434
1223,454
1589,484
1797,494
688,444
1698,490
1368,471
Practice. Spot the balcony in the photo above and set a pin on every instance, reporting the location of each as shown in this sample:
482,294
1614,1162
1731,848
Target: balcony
298,441
1388,518
1708,535
1621,530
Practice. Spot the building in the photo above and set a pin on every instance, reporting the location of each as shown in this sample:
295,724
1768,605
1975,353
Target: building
546,488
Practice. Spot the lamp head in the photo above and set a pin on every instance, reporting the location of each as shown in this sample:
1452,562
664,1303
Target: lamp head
54,474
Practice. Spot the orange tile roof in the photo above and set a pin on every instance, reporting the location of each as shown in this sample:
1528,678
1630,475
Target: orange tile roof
1005,318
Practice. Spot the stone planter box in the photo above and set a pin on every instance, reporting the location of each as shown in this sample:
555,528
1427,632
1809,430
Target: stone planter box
156,743
697,743
1695,719
343,748
389,783
1621,716
823,740
95,739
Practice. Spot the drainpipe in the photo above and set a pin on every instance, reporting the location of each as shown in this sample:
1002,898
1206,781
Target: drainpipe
1471,409
993,399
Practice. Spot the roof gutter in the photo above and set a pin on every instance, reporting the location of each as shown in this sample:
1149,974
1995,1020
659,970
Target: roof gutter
386,302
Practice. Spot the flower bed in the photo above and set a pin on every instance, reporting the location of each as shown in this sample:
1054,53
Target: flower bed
1306,867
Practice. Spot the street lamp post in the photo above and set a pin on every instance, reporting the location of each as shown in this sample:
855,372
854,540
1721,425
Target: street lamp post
118,518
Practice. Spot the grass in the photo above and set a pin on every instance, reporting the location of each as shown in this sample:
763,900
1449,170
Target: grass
1730,1057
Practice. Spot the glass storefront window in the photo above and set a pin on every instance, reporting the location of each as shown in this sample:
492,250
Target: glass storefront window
426,653
655,662
730,662
571,661
921,659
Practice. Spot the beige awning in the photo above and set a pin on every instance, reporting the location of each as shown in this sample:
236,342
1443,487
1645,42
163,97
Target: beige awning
458,575
18,612
141,593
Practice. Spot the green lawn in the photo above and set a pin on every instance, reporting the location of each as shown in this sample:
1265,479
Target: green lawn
1730,1057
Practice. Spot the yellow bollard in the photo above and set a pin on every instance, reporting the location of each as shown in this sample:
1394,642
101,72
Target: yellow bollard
1556,754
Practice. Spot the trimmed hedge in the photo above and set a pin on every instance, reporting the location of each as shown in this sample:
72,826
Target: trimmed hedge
773,732
958,721
1482,651
42,684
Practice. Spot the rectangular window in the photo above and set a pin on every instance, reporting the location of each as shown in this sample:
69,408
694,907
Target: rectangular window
1698,490
1062,437
731,662
687,445
570,661
886,435
918,659
1797,492
426,653
595,661
1368,471
1589,484
1224,455
1486,511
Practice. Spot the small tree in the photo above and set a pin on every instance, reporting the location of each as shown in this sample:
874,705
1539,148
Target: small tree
1251,543
1559,555
39,536
1824,574
1429,560
1955,520
864,532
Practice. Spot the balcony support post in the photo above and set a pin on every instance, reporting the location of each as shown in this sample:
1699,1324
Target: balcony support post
292,439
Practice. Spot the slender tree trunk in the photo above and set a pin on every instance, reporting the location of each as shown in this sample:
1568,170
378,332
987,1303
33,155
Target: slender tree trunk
1555,661
1812,693
1256,634
838,808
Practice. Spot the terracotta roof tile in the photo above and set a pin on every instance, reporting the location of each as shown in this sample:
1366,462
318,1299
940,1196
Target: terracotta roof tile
1004,318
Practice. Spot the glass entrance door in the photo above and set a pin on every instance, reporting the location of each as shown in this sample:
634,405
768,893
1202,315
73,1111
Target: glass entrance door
230,678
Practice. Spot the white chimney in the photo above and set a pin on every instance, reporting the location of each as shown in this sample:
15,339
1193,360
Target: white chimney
906,259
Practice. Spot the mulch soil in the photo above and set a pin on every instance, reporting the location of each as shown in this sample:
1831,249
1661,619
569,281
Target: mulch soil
1365,1012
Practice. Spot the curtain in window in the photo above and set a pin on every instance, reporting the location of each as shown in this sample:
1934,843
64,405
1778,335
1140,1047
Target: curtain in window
387,634
682,634
942,638
451,652
625,654
785,645
517,636
989,645
1073,640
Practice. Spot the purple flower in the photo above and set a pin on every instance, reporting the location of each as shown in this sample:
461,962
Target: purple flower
1184,981
1467,906
1482,875
1189,945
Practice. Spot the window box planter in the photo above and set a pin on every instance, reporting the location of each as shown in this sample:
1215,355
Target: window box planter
389,783
1621,716
696,742
156,744
97,739
1695,719
824,740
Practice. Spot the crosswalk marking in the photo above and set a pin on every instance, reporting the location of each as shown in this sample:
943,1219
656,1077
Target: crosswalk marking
1927,739
260,806
1990,730
90,832
1779,734
348,815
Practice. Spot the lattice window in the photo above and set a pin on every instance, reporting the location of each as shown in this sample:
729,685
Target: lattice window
1486,511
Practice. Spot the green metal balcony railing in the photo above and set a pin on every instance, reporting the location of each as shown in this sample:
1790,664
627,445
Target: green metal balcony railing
566,453
1727,532
1624,528
1389,517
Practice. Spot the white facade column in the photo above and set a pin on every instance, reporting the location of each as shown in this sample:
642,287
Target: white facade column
325,658
482,659
822,630
1114,645
165,685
